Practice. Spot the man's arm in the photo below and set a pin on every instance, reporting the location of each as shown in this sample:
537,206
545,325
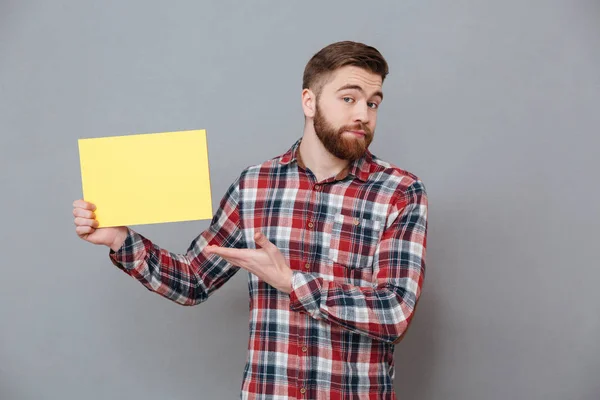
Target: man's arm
189,278
383,311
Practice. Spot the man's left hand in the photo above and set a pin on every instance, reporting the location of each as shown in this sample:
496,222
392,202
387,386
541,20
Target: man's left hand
266,262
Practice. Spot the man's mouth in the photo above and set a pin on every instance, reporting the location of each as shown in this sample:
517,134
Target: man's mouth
356,133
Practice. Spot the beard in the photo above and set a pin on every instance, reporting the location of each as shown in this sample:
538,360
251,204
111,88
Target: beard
345,148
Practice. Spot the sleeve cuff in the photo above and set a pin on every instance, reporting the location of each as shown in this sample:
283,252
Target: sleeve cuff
128,255
306,293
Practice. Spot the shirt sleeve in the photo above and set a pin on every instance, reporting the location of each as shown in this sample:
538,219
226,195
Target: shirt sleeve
384,310
187,279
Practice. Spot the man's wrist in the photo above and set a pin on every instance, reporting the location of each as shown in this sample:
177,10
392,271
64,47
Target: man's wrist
119,239
289,286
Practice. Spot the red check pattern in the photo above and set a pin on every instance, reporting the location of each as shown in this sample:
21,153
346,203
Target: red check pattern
356,244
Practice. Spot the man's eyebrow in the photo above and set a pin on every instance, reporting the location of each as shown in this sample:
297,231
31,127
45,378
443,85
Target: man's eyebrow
360,89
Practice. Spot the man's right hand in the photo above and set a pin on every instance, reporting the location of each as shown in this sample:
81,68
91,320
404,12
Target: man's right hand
86,227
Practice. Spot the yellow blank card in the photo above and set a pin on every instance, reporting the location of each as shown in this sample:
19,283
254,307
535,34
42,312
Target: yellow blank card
147,178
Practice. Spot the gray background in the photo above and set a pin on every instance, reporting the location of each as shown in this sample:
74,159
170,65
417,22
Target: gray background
494,104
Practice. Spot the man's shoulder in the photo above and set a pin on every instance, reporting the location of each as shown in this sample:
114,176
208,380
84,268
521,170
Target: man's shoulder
266,167
382,170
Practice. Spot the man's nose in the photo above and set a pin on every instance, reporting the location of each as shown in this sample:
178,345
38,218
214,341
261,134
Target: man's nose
361,112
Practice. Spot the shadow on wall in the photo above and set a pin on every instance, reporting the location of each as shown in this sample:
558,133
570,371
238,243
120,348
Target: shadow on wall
415,354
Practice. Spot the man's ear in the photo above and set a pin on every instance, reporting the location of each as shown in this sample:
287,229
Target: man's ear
309,103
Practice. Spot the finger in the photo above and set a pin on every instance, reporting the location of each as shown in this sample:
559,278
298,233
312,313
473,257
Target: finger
239,257
220,251
262,241
83,230
84,204
80,212
223,252
227,252
86,222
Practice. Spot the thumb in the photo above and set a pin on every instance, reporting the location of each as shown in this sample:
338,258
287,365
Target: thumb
262,240
272,251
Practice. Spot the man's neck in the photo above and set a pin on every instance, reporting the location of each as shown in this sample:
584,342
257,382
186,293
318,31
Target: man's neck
316,157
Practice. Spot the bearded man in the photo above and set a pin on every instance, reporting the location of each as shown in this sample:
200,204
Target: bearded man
333,239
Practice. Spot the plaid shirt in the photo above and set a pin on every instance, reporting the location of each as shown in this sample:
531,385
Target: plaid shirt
356,245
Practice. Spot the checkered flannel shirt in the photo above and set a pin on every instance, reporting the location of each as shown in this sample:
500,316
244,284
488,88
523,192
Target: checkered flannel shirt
356,244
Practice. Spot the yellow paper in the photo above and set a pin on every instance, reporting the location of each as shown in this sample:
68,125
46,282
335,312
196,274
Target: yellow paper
147,178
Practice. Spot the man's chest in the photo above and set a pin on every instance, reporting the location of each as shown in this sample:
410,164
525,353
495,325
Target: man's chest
330,229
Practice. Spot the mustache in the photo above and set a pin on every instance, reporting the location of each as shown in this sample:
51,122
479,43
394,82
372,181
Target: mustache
357,127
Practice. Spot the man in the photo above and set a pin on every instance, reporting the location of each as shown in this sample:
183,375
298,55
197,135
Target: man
333,239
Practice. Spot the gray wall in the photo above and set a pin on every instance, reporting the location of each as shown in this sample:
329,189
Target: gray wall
494,104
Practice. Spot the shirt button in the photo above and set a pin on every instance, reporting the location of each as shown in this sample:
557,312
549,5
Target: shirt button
304,349
307,266
302,390
310,225
356,221
317,187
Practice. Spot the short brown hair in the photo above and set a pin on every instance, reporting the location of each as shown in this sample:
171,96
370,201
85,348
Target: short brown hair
341,54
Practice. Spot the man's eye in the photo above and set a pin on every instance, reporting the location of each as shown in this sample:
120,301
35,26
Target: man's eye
347,99
373,105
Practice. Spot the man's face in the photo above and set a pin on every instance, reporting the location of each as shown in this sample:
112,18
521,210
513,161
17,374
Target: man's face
346,112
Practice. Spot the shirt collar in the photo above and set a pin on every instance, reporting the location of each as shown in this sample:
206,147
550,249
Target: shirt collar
359,168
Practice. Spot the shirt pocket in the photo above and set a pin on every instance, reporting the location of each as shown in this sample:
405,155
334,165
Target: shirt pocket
353,241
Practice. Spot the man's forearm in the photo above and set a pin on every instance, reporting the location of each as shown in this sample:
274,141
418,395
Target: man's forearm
382,313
